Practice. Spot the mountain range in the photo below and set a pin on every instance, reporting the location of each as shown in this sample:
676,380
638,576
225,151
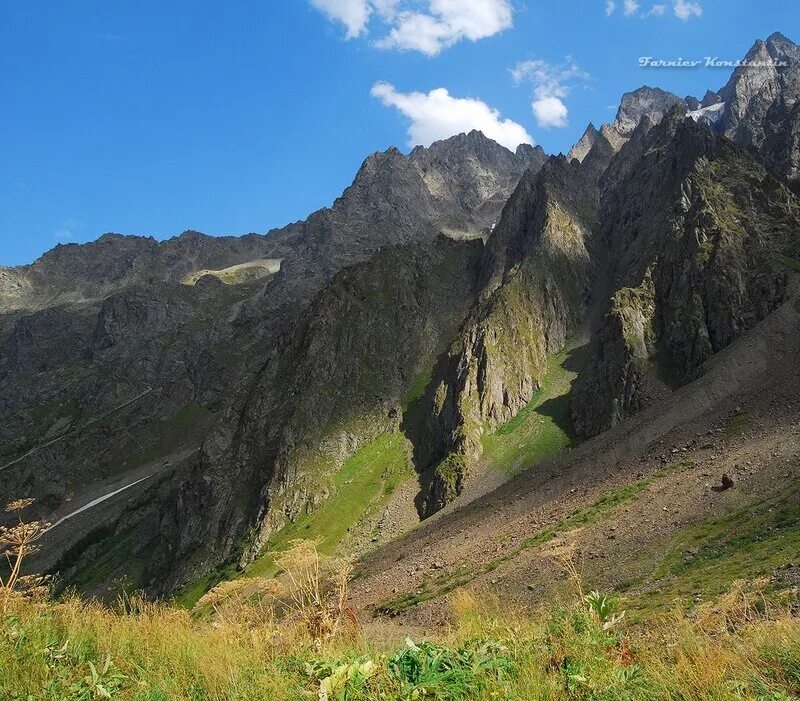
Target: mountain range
181,406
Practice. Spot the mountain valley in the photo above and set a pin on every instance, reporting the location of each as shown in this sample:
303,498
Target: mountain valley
472,357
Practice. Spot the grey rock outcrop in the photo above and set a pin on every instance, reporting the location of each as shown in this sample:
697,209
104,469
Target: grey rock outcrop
693,223
652,103
535,283
584,144
761,103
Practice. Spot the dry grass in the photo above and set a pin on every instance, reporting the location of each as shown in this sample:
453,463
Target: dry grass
294,638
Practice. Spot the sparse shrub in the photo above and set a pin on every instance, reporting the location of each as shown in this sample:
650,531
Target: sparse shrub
16,543
604,608
316,588
311,590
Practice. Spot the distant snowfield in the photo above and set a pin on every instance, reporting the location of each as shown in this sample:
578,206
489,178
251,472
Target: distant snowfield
243,272
713,113
95,502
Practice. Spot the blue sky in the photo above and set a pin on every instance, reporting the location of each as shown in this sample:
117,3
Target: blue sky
153,118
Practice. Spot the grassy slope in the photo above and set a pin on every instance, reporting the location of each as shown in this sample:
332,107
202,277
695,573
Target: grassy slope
438,585
703,560
363,484
542,429
366,481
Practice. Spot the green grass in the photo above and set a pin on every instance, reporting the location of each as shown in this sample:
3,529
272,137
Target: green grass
542,429
77,651
591,514
38,422
114,557
738,425
751,542
361,487
421,382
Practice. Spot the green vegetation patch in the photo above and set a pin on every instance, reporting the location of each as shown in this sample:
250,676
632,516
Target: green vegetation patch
361,487
738,425
421,382
591,514
108,556
790,262
39,420
752,542
542,429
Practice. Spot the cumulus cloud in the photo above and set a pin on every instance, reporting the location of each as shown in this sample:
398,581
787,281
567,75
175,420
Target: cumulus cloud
428,27
437,115
550,112
551,86
686,10
657,11
610,7
353,14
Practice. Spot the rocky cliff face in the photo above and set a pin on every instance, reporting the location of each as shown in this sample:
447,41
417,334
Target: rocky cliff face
646,102
335,381
677,244
695,226
534,287
584,145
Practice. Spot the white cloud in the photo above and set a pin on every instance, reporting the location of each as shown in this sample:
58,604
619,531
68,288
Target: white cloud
630,7
67,230
353,14
686,10
551,86
550,112
438,115
683,9
429,29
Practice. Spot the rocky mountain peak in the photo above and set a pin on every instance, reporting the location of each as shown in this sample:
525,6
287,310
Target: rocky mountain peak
652,103
779,45
761,101
531,153
584,145
710,98
646,101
